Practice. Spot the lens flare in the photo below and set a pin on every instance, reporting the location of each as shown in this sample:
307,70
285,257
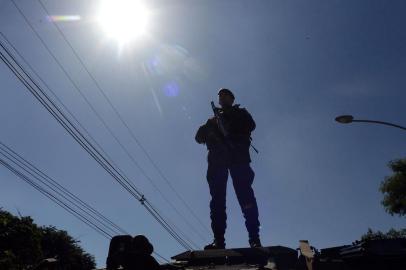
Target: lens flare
171,89
63,18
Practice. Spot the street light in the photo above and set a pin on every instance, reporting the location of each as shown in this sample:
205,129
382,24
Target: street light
347,119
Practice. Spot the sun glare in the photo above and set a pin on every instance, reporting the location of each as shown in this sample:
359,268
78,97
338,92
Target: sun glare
123,20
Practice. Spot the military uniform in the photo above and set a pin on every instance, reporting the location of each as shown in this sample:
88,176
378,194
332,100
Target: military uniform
230,155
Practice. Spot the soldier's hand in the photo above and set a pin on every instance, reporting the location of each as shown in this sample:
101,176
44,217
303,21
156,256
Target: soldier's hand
212,121
212,136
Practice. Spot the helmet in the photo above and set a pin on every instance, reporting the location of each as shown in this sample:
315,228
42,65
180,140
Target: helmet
226,91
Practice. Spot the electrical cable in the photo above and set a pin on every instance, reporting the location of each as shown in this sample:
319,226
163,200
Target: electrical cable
132,135
79,137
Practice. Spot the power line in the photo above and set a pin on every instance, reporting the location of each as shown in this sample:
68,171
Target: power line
56,196
132,135
161,257
115,168
56,97
79,138
111,169
57,188
69,112
55,199
56,112
77,88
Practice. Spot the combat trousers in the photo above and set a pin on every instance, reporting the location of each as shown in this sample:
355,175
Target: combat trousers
242,176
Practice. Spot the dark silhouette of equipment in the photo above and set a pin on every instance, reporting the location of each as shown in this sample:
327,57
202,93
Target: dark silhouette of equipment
239,258
119,246
134,253
131,253
388,254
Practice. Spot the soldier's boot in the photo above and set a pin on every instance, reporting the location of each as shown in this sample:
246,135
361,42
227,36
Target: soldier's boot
255,242
217,243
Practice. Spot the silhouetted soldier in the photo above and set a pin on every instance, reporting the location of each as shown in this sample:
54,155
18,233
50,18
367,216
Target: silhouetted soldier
230,154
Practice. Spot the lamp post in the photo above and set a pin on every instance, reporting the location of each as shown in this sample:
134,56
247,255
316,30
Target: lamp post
347,119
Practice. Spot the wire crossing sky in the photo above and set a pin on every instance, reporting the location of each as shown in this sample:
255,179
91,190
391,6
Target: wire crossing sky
72,130
294,65
125,124
76,86
59,194
132,135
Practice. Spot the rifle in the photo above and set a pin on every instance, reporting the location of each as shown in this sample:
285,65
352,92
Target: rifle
222,127
220,120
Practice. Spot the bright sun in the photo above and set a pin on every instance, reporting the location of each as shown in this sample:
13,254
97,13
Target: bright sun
123,20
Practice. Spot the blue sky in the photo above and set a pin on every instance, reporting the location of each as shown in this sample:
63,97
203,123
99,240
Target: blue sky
295,65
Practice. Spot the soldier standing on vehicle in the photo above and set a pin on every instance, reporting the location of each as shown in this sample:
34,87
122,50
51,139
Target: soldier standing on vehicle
228,138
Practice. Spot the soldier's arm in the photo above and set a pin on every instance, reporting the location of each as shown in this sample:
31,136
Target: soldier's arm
247,120
206,131
201,134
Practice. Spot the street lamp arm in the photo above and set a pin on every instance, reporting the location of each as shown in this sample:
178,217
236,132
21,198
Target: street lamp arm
380,122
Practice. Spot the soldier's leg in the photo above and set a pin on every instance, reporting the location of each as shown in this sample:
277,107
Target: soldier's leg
243,176
217,178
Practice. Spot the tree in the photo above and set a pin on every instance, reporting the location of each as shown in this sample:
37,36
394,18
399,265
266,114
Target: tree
394,188
70,255
19,241
378,235
23,244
